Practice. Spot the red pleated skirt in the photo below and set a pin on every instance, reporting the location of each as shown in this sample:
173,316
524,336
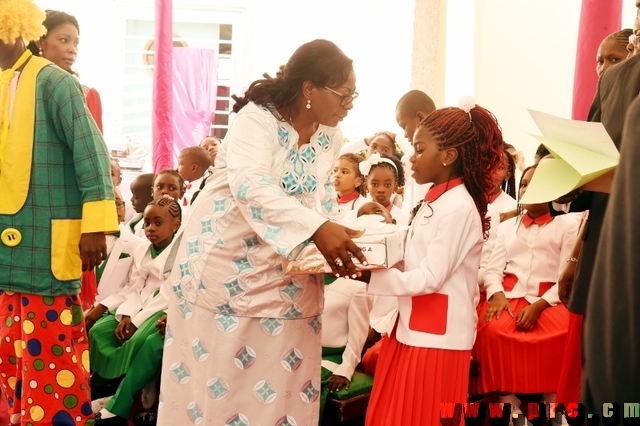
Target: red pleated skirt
411,382
571,374
370,357
518,361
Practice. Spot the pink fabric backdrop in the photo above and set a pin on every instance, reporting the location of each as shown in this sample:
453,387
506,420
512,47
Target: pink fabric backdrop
195,86
162,128
598,19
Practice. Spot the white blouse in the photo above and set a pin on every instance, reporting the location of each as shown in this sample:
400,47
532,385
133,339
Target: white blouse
437,291
535,255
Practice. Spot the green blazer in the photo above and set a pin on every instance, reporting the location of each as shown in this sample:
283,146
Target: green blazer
55,184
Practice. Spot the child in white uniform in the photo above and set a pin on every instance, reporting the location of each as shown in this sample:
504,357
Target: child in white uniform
426,359
116,340
348,183
521,279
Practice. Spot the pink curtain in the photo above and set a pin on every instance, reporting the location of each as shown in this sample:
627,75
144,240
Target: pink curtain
195,78
598,19
162,129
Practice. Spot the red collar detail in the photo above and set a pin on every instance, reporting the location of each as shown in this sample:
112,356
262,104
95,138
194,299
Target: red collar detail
355,194
494,197
390,206
437,190
528,220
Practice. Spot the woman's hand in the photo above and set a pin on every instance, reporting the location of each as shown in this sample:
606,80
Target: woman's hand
337,382
94,315
161,325
565,282
125,329
528,317
497,303
334,242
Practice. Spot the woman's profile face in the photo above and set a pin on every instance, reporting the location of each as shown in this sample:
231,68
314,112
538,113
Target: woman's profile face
60,45
331,108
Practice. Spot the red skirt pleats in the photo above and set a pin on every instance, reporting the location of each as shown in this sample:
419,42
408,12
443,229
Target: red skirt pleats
518,361
571,373
370,357
411,382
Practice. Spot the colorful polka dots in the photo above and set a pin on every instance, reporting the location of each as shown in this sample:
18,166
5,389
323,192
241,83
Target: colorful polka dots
28,327
34,348
66,317
49,359
65,378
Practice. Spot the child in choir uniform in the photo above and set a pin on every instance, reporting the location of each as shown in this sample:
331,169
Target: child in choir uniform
519,350
115,270
168,182
425,361
116,340
384,310
348,183
383,175
108,277
193,163
141,196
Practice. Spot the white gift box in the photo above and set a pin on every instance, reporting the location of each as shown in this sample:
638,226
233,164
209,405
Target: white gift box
382,244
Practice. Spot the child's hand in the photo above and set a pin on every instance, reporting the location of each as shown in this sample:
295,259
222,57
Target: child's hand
497,303
94,315
337,382
528,317
161,325
125,329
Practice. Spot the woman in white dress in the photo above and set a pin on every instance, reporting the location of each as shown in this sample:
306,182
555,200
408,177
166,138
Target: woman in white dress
242,340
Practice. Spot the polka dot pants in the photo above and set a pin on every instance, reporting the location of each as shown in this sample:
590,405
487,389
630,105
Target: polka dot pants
44,359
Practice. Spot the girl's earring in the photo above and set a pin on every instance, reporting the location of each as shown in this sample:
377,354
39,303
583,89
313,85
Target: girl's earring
308,103
444,164
40,52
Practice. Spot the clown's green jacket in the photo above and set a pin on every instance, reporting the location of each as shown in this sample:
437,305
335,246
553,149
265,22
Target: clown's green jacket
55,183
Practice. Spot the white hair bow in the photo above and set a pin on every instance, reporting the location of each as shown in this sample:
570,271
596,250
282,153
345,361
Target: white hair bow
375,158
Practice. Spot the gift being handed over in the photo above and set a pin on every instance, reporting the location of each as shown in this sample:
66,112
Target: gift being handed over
382,244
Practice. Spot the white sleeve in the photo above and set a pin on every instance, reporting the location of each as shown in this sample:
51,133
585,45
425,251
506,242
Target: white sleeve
358,318
354,146
494,273
277,218
158,303
489,244
114,301
445,252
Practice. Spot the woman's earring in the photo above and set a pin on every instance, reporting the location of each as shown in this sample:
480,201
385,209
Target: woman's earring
40,52
308,103
444,164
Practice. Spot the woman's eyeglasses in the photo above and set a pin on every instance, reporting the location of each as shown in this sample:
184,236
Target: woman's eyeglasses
346,99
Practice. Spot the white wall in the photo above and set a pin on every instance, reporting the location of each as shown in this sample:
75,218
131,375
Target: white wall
525,58
523,51
376,34
378,38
